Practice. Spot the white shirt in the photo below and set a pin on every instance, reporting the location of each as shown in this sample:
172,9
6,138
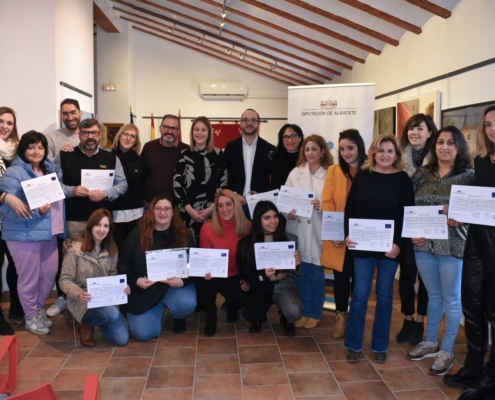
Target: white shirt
248,152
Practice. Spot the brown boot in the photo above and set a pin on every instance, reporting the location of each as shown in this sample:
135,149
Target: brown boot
338,330
86,334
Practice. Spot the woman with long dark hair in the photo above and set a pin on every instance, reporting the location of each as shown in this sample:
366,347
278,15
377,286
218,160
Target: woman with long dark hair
270,285
160,228
290,139
335,255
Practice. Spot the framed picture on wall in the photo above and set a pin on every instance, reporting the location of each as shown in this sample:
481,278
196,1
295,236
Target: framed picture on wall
384,122
110,129
427,103
467,119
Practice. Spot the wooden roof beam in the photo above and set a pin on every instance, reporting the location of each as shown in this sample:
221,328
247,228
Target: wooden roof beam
431,7
103,21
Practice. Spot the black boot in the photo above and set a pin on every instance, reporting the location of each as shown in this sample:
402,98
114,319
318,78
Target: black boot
232,315
179,325
485,380
5,328
211,325
416,336
405,332
288,327
472,370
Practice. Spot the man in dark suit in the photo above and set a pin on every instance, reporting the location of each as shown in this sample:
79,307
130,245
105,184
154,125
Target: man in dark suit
248,160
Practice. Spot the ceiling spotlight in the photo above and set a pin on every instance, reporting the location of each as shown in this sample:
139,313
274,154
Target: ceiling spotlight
221,23
171,30
273,66
243,55
229,51
200,40
222,13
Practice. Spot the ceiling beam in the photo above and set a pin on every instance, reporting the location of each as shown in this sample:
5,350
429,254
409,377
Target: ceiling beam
431,7
247,56
102,20
383,15
308,24
344,21
293,34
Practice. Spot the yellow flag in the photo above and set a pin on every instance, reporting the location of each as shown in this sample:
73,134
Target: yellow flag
153,134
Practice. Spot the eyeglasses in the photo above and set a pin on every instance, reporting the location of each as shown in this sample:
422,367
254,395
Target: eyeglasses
129,135
88,133
293,136
167,128
163,209
249,121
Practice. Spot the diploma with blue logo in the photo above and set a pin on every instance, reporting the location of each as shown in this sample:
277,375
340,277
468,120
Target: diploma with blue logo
425,221
253,199
472,204
372,234
166,263
290,198
209,261
97,179
278,255
107,291
42,190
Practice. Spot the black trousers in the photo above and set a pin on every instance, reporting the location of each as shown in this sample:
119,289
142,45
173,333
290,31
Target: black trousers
11,276
343,284
478,288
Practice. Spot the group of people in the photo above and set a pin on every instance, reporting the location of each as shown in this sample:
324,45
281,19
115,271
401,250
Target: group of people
171,195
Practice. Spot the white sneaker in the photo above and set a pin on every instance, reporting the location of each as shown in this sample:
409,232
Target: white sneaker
35,325
423,350
44,318
443,362
58,307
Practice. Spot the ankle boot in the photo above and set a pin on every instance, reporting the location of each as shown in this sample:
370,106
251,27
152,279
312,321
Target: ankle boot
5,328
470,372
416,336
405,332
86,334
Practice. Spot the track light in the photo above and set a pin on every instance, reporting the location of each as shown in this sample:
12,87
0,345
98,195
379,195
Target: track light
222,14
200,40
242,56
221,23
171,30
229,51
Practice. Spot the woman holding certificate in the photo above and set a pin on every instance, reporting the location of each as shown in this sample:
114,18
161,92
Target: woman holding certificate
310,174
379,192
440,261
227,226
93,255
269,285
160,228
335,254
478,274
32,242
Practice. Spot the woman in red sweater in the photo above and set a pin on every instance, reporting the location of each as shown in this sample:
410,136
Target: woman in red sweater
227,226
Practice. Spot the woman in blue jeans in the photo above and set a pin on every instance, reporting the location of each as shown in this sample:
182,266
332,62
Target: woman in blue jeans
379,191
440,261
93,256
160,228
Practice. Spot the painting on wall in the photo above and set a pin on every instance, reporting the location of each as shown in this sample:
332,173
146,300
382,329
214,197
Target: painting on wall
109,132
384,121
427,103
467,119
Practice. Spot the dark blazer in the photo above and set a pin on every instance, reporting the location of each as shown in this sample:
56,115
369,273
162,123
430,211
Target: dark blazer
260,178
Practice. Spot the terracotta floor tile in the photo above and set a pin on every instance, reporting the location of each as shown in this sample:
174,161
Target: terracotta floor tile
300,332
278,392
374,390
69,394
217,364
305,362
263,374
324,335
170,356
360,371
406,379
297,345
430,394
89,358
164,394
40,368
244,338
217,346
322,398
218,387
100,340
73,379
314,384
336,352
52,349
259,354
23,384
168,377
451,393
26,339
136,348
187,339
326,321
396,358
223,330
121,388
128,367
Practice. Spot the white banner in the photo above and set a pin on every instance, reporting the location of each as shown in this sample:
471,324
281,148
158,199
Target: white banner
327,110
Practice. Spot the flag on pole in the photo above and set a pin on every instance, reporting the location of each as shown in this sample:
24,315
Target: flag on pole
153,134
180,130
132,116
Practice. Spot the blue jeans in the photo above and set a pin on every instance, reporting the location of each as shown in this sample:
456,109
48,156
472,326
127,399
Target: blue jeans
180,301
111,323
311,284
442,278
364,270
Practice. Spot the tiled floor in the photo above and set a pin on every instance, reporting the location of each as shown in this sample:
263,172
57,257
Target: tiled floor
232,365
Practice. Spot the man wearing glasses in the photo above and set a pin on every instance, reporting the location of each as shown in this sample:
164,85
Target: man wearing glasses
248,160
159,157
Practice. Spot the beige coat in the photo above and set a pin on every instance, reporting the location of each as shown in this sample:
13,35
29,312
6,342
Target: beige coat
76,268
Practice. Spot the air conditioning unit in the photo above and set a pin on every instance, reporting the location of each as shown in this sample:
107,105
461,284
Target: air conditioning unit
223,90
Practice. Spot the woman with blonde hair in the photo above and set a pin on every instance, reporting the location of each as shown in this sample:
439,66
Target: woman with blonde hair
379,191
199,174
227,227
310,174
128,208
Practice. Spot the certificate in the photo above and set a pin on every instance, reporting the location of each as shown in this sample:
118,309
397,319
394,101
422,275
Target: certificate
97,179
107,291
253,199
472,204
372,234
42,190
425,221
291,198
166,263
209,261
332,227
278,255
